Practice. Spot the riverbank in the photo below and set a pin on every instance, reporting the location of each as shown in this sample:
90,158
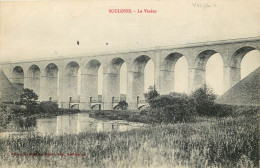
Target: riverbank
60,111
127,115
216,142
12,112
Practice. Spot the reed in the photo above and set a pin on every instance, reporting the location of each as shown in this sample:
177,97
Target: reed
209,142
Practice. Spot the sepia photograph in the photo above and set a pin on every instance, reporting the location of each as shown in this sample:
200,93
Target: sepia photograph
129,83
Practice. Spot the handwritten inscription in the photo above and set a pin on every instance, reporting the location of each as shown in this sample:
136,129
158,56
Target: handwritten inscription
203,5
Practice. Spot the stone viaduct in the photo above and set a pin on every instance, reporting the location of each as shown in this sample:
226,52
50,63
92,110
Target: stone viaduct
56,79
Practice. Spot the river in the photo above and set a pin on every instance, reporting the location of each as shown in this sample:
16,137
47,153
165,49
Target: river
67,124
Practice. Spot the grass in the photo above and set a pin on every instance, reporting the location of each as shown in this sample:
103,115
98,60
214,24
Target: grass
211,142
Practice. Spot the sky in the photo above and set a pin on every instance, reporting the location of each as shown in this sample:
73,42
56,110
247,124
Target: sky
46,29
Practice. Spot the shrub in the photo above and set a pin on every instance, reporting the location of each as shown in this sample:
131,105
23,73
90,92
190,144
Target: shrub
246,111
171,109
122,105
204,100
6,114
47,107
222,110
68,111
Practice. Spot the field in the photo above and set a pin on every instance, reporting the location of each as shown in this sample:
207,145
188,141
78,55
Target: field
209,142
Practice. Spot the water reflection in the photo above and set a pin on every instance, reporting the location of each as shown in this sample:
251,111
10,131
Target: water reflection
25,123
70,124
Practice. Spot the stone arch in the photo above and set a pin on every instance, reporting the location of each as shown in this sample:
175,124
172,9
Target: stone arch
75,106
249,63
238,55
168,70
33,78
139,63
169,62
112,83
34,71
115,65
201,60
233,69
90,82
136,80
72,68
18,75
96,107
51,70
51,82
92,67
71,82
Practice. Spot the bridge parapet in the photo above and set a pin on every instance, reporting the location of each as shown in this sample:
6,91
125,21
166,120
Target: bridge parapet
75,101
95,101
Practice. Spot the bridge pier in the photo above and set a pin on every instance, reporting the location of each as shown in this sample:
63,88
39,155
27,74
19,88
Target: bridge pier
44,89
111,88
231,76
135,88
60,87
157,72
167,82
33,83
196,78
89,89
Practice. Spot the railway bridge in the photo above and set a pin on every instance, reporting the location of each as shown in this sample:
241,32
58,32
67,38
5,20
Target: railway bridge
57,78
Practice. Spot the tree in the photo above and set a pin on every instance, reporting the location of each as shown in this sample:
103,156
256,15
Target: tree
29,99
151,94
204,100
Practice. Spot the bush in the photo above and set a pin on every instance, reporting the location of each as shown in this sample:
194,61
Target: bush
246,111
122,105
222,110
6,114
47,107
68,111
204,100
171,109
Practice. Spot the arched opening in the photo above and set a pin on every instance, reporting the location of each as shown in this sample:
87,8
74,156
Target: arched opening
244,61
114,85
149,75
137,77
51,82
71,82
18,75
174,74
100,83
181,75
123,81
93,80
33,81
250,62
214,73
200,74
